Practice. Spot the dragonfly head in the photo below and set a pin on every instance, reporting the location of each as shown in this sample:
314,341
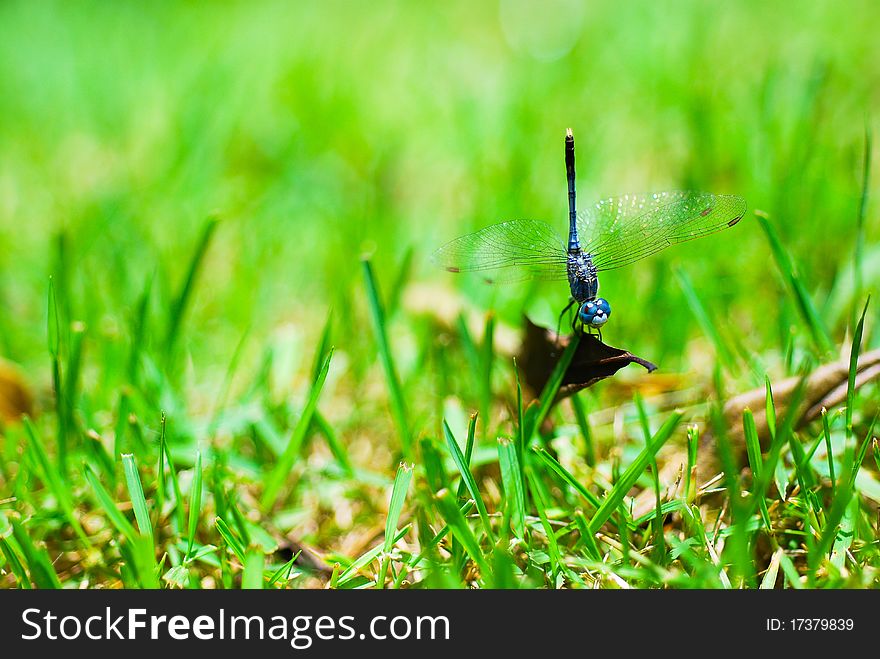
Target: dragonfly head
595,313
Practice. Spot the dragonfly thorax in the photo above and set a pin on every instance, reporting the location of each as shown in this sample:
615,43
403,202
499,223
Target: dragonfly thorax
582,278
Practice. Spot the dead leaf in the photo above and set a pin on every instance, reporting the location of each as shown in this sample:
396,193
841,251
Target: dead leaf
15,397
593,360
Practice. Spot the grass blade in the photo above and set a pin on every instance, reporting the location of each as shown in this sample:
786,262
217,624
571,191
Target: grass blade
458,525
53,328
706,323
324,348
843,539
589,539
139,331
10,550
252,576
288,567
37,559
808,311
829,453
520,422
53,332
435,472
790,572
770,413
165,453
566,476
395,507
71,377
428,546
120,445
398,495
548,395
229,538
468,451
366,558
468,479
53,479
181,301
690,476
556,563
833,518
657,521
756,461
340,453
615,497
583,422
398,284
195,505
768,581
377,314
487,357
514,491
109,505
285,462
770,406
136,492
863,451
853,370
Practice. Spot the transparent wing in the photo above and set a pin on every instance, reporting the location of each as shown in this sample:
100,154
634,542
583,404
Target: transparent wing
623,230
510,251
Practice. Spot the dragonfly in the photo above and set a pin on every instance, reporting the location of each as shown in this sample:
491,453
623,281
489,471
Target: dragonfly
611,234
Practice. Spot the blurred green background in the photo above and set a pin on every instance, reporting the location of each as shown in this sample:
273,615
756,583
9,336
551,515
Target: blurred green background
318,133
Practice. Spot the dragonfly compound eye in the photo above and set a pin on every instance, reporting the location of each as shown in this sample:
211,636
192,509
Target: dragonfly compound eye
595,312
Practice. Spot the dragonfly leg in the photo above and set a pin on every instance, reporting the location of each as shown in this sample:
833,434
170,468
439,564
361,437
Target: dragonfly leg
571,301
588,329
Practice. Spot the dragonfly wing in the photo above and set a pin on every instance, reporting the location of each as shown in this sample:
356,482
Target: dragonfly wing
622,230
510,251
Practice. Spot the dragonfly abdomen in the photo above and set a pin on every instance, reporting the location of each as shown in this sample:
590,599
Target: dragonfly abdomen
574,246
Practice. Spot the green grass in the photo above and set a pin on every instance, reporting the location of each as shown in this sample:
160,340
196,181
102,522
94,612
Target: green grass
215,286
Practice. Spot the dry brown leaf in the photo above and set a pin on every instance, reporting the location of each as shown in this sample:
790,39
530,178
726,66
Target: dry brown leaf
15,396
